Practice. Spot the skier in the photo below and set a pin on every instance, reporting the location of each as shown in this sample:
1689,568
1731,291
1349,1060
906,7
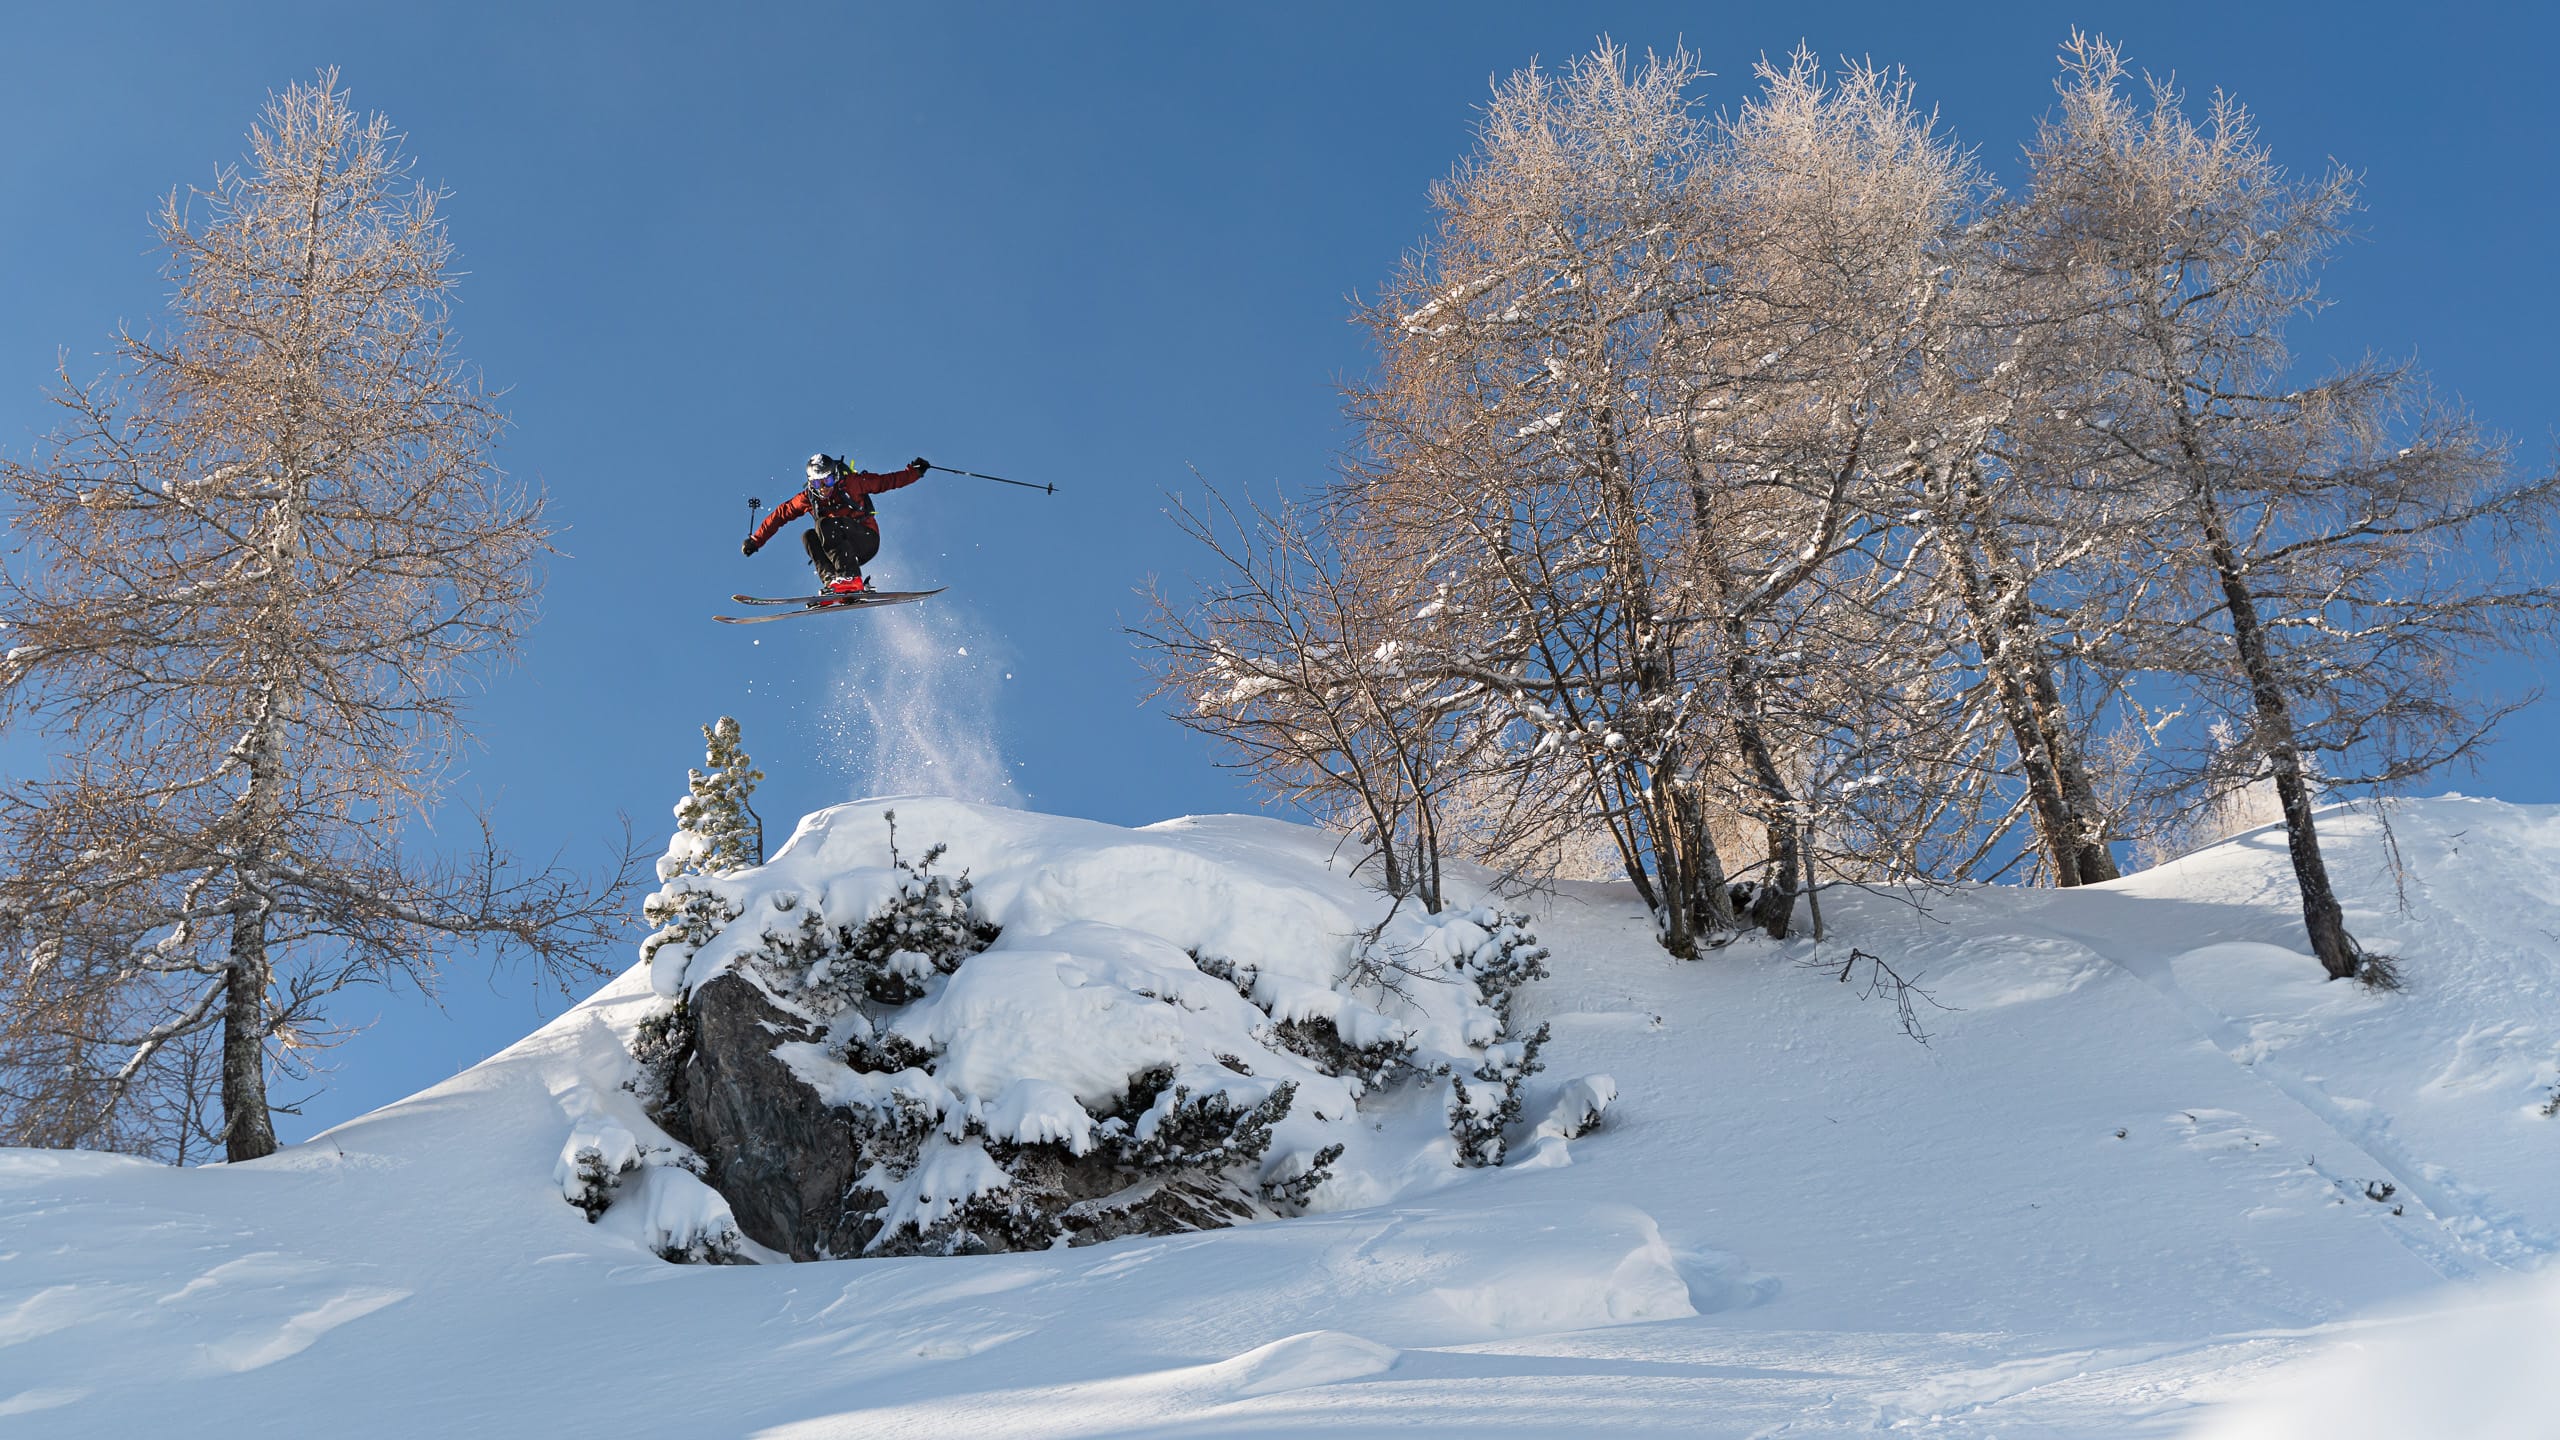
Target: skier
846,534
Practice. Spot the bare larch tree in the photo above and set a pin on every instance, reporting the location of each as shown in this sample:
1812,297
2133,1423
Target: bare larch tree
2337,550
253,571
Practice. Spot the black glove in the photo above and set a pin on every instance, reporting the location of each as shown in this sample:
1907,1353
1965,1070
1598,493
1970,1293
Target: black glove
918,463
747,546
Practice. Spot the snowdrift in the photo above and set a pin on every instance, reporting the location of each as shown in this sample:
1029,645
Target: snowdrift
2148,1160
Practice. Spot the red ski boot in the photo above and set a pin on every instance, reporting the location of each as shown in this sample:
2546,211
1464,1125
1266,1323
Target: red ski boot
839,590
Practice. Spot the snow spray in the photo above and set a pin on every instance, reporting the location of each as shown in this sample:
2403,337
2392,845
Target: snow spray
913,707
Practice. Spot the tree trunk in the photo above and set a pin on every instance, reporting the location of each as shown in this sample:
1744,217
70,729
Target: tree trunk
2322,918
248,1131
2065,803
2044,790
1631,852
1773,905
1812,886
2079,796
1773,908
1676,855
1427,859
1710,897
1679,921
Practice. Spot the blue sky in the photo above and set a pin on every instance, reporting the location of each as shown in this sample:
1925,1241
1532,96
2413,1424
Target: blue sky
1099,245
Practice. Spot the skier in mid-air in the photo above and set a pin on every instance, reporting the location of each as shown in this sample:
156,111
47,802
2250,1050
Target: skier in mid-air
846,532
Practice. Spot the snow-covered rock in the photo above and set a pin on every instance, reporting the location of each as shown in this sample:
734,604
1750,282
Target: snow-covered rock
1050,1032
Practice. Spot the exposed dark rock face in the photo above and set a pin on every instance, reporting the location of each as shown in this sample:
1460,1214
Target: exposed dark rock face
791,1166
784,1160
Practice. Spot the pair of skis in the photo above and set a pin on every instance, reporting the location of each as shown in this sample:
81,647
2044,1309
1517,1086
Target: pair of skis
817,604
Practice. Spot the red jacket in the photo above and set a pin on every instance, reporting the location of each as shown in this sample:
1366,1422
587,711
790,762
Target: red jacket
845,498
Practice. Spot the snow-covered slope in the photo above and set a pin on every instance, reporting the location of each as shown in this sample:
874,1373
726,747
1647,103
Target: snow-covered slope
2130,1173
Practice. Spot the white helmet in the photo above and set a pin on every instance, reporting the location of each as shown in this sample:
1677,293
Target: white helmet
820,467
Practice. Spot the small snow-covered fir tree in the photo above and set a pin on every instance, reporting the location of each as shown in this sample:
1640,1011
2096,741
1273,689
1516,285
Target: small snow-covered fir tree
717,833
717,828
1504,957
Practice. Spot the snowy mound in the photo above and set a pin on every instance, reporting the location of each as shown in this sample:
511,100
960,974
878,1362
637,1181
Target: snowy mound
1039,1030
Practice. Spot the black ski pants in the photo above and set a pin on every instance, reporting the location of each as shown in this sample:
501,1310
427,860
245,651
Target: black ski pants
839,549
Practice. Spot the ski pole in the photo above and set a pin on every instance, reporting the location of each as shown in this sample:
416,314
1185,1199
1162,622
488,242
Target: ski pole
974,475
755,507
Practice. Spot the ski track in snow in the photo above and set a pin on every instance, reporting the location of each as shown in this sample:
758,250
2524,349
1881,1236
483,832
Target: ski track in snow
2127,1179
